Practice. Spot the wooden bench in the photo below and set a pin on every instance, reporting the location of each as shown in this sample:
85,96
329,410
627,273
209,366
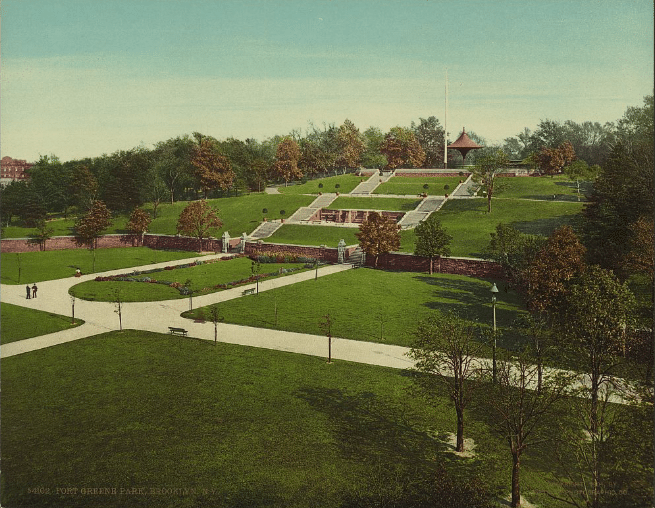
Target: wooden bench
248,291
177,331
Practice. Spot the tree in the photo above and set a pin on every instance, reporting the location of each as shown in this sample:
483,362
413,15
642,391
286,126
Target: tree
432,240
351,145
515,252
487,169
172,160
518,410
430,135
560,260
592,325
378,235
551,161
197,220
444,350
401,148
641,256
118,304
286,165
215,316
89,227
372,157
213,170
579,171
42,235
139,223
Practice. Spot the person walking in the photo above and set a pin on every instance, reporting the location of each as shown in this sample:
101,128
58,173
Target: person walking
34,288
28,291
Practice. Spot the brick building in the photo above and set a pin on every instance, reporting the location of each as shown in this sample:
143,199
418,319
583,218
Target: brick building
13,169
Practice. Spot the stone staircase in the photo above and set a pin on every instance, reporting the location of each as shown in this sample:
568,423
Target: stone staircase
265,229
323,201
304,213
357,258
367,187
423,210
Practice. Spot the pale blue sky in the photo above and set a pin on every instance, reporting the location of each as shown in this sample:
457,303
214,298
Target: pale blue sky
86,77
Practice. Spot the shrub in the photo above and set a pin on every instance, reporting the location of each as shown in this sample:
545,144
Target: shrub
264,210
320,185
425,186
282,212
336,186
446,187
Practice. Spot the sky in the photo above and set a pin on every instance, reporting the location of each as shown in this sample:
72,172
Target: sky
80,78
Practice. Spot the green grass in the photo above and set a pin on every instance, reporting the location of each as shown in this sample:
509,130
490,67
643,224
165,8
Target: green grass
313,235
359,299
239,215
414,185
358,203
20,323
539,187
239,426
203,278
470,225
57,264
346,184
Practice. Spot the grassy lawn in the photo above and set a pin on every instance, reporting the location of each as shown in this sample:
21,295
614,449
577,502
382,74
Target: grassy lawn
239,215
346,184
313,235
20,323
470,225
359,203
370,305
540,187
203,278
56,264
414,185
236,426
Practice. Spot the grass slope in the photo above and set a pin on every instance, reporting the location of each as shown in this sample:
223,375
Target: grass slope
313,235
370,305
56,264
414,185
20,323
203,278
234,426
539,187
346,184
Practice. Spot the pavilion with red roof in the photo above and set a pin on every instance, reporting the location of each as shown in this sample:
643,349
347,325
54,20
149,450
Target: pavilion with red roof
464,144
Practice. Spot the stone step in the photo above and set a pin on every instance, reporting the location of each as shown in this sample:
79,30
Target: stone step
265,229
303,213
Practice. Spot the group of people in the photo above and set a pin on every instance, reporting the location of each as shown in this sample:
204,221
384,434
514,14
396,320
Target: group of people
32,289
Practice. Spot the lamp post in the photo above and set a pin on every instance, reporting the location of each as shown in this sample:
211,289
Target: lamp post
494,290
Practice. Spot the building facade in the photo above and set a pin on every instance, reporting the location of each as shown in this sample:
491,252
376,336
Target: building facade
13,169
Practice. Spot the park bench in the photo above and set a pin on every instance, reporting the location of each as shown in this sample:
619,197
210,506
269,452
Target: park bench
248,291
177,331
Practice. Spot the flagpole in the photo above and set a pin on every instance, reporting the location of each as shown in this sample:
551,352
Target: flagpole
445,127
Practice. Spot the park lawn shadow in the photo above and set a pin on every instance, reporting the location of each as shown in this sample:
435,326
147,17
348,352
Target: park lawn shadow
545,227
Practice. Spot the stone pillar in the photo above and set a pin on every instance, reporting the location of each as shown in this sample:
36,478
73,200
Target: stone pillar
225,241
242,244
341,249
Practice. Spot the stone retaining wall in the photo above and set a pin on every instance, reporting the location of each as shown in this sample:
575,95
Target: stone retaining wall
458,266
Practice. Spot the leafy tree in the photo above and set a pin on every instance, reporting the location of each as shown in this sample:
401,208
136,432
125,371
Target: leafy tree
89,227
641,256
47,184
215,317
83,187
444,350
624,190
213,170
519,411
139,222
286,165
487,169
579,171
33,210
514,251
592,325
172,160
123,175
42,235
351,145
432,240
312,158
401,148
551,161
430,135
372,157
559,261
378,234
197,220
13,198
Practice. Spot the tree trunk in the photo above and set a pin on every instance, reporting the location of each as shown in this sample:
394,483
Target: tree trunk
430,266
516,480
459,447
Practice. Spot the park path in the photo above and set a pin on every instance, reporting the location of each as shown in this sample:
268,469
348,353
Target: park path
101,317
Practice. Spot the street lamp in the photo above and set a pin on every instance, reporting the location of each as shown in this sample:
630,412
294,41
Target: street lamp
494,290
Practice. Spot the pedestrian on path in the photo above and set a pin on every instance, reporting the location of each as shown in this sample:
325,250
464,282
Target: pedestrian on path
28,291
34,288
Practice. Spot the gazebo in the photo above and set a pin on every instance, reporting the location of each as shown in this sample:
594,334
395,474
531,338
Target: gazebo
464,144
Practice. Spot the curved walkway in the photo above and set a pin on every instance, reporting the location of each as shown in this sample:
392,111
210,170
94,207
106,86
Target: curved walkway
101,317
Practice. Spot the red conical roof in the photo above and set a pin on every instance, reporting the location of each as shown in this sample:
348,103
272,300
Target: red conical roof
464,144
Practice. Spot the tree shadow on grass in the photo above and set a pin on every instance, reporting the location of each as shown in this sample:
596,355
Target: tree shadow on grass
545,227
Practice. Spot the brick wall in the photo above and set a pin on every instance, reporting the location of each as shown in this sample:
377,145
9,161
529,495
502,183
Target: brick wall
459,266
432,175
329,254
